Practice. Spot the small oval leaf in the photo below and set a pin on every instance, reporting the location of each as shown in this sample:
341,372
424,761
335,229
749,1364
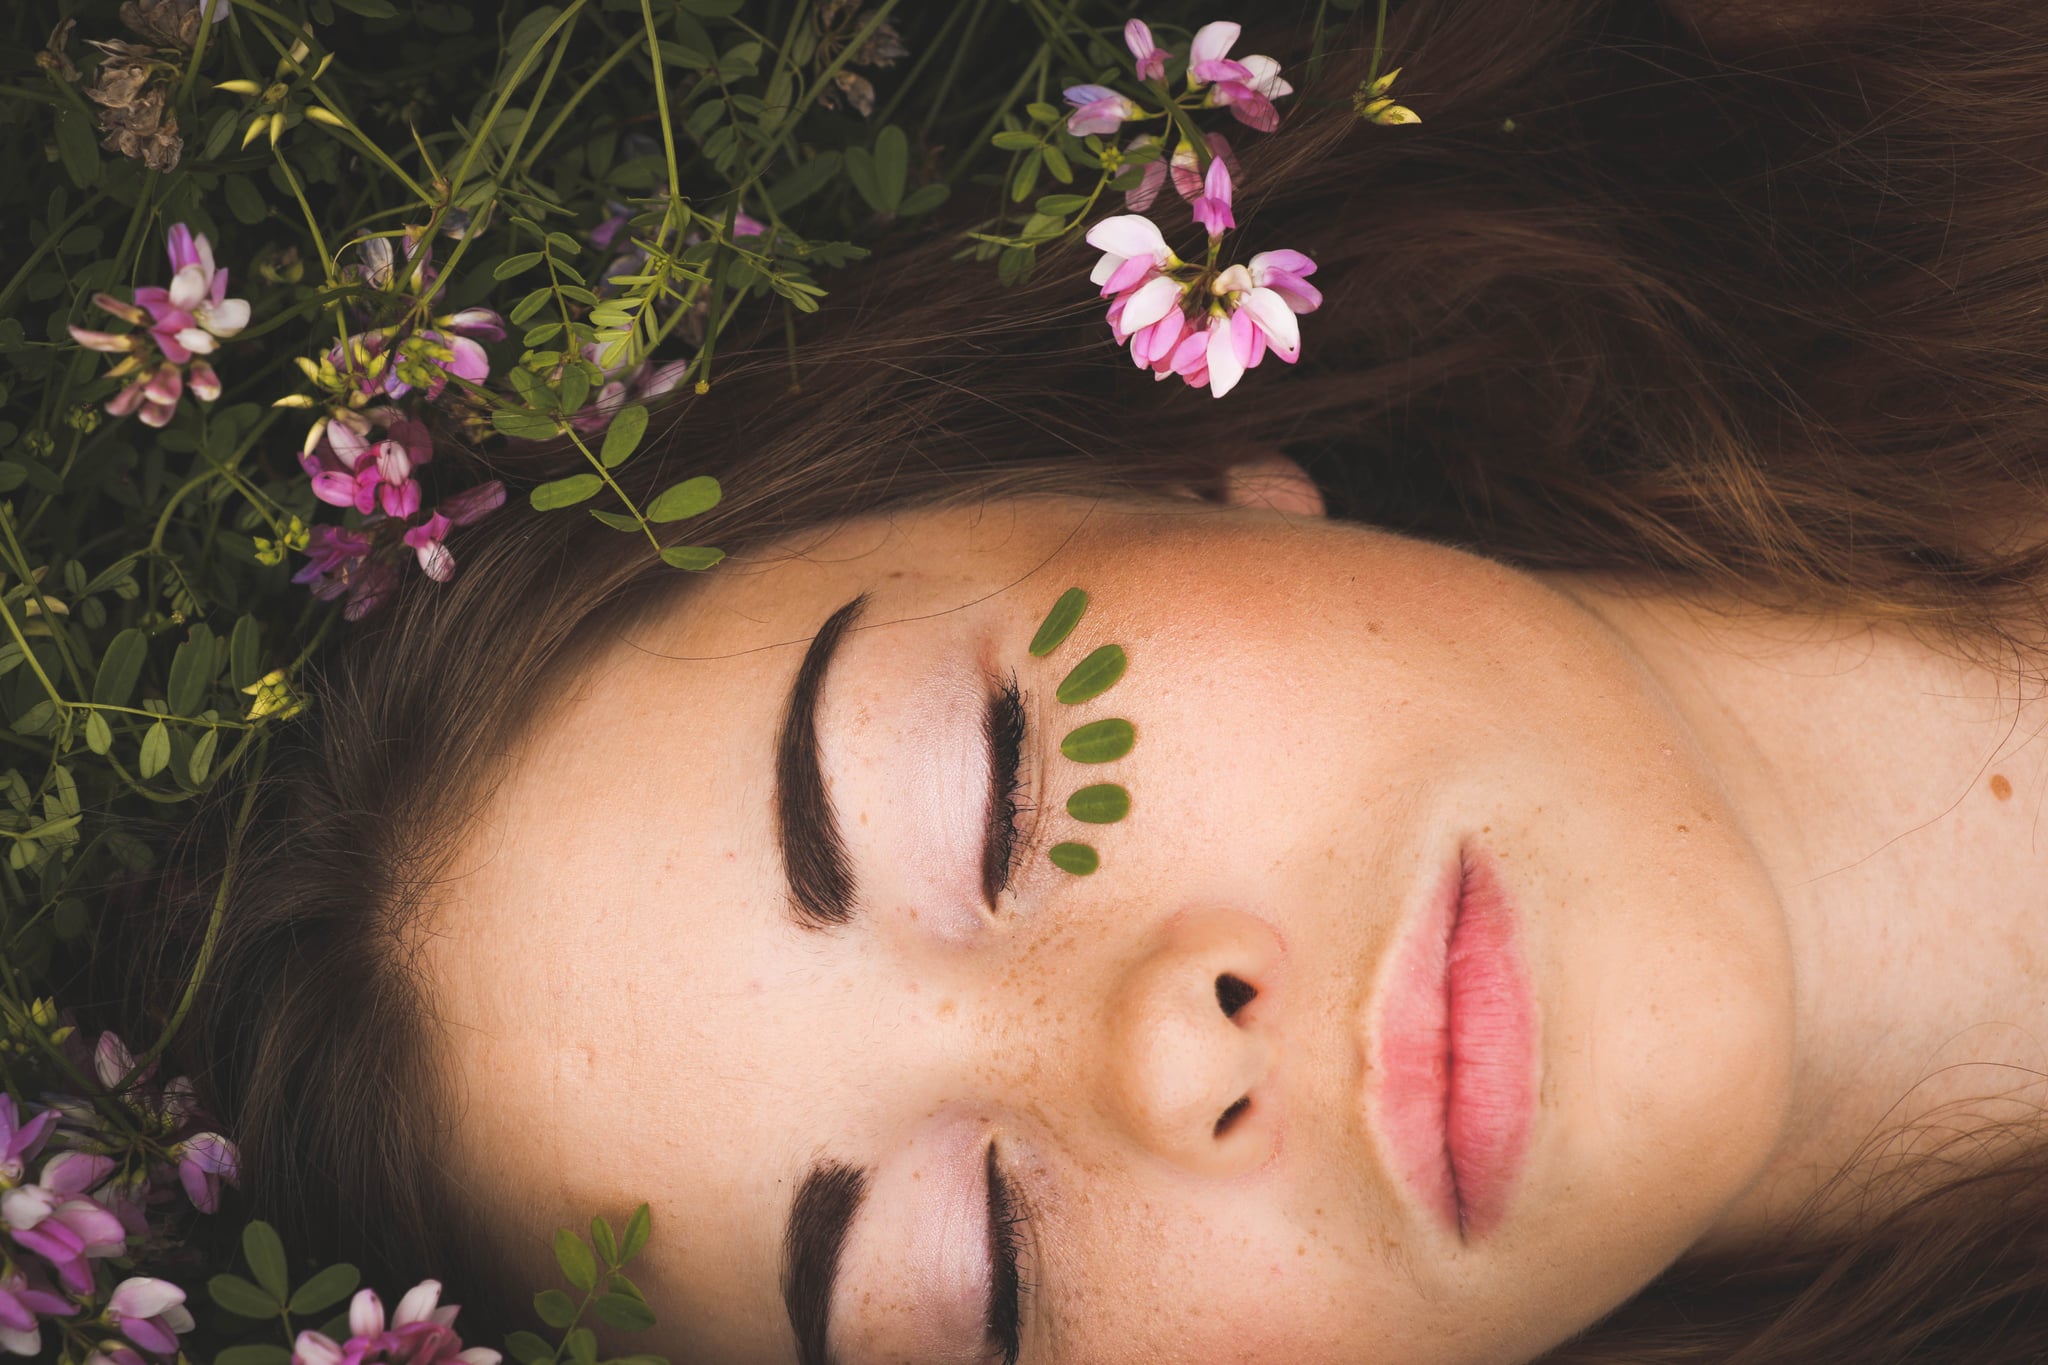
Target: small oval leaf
1094,675
516,265
1078,859
571,1253
245,652
622,437
325,1289
602,1238
99,736
691,497
265,1252
564,492
625,1313
692,557
202,756
523,425
120,667
1059,623
191,672
1105,803
555,1308
637,1229
1099,741
156,750
242,1298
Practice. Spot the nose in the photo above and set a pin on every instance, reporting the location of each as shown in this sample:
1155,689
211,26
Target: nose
1191,1041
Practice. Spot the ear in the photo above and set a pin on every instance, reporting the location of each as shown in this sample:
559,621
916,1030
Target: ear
1273,481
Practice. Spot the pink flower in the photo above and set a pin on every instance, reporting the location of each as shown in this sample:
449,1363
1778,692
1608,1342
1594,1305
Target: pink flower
1098,109
20,1141
1247,86
349,470
338,561
1212,209
204,1161
471,504
20,1302
1151,60
64,1232
1286,274
419,1334
1133,251
150,1313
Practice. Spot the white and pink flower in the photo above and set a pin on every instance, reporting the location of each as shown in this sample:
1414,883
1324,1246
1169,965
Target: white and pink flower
1247,86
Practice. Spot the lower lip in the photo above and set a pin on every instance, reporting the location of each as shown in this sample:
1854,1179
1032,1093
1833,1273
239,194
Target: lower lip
1456,1053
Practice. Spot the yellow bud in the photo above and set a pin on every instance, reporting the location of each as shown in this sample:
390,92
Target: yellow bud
308,367
294,400
321,114
254,131
1384,83
276,126
321,69
237,87
1400,113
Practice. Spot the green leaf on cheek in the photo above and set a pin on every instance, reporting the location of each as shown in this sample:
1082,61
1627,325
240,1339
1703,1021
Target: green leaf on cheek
1094,675
1059,622
1078,859
1099,741
1102,804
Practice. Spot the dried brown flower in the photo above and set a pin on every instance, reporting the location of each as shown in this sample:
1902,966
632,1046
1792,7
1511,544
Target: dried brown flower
168,23
838,22
133,116
53,58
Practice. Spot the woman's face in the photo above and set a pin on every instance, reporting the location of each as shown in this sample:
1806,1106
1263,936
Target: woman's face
1176,1087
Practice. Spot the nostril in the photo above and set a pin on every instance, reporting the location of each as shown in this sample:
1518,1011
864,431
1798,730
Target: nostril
1233,1114
1233,994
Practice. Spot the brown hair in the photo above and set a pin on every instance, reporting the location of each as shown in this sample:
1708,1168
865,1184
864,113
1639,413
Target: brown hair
1763,319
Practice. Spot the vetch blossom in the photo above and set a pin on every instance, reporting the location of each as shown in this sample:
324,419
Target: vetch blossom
1098,109
425,539
19,1141
149,1312
419,1333
177,326
1212,209
21,1303
1247,86
1151,59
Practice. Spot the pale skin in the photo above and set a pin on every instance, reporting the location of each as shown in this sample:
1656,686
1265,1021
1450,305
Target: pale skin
1773,876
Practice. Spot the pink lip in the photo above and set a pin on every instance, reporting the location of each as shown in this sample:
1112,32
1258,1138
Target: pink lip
1456,1051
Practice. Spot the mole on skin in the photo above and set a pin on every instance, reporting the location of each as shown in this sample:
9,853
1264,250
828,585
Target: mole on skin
2001,788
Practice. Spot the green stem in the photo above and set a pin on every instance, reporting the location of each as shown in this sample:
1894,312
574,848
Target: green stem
312,223
576,98
668,129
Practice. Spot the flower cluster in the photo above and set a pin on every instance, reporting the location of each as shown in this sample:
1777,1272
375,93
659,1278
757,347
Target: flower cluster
179,326
363,452
1204,322
418,1333
75,1193
352,466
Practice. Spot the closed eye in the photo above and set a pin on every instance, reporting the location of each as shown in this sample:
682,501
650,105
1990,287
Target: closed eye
1003,727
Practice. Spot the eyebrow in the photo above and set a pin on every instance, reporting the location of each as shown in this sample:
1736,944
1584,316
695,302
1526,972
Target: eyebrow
814,858
819,1217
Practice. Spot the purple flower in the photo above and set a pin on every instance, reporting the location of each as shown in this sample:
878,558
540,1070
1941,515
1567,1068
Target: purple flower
1212,210
183,323
204,1161
1151,60
350,470
419,1334
150,1313
64,1232
1247,86
20,1141
425,540
1098,109
20,1302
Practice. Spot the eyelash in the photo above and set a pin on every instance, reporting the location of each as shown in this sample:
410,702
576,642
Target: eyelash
1005,1305
1004,724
